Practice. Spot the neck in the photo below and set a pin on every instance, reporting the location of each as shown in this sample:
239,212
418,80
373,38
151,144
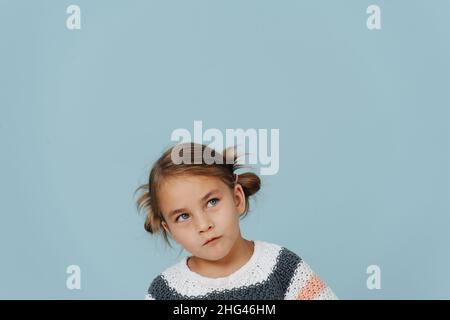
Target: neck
239,255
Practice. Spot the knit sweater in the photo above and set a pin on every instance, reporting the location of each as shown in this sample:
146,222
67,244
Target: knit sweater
272,273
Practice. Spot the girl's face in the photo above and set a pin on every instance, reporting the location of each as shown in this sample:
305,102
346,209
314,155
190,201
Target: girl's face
198,208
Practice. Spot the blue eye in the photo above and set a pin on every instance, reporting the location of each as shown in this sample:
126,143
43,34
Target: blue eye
213,202
180,216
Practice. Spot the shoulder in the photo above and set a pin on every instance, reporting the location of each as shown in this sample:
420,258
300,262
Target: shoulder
162,284
283,254
285,261
297,277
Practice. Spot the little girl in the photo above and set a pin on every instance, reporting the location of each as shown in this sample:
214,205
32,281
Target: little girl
198,204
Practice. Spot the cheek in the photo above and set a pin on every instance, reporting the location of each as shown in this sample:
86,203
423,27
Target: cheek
228,213
183,236
176,231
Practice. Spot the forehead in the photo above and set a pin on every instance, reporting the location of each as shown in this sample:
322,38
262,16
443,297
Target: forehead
182,191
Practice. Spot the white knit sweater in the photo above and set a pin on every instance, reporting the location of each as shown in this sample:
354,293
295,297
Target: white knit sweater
273,272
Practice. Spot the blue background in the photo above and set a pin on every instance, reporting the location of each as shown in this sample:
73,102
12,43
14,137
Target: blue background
364,136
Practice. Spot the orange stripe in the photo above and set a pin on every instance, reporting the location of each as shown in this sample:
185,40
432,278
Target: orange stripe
313,287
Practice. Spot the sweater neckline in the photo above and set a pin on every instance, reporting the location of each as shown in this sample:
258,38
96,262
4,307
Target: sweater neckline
236,274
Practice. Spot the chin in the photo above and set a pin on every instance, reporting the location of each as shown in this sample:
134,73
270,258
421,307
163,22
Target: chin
218,254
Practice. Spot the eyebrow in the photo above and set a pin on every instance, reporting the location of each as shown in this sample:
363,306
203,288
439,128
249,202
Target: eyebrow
206,196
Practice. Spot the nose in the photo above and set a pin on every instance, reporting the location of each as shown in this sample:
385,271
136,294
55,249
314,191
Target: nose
204,222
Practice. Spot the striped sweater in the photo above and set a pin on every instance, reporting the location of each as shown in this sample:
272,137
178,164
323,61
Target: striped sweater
272,273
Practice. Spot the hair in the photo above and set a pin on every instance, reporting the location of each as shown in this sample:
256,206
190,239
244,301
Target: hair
164,167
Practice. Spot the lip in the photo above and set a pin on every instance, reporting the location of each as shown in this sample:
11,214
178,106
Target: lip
212,240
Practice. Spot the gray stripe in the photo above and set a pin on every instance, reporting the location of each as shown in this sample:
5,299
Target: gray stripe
274,288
